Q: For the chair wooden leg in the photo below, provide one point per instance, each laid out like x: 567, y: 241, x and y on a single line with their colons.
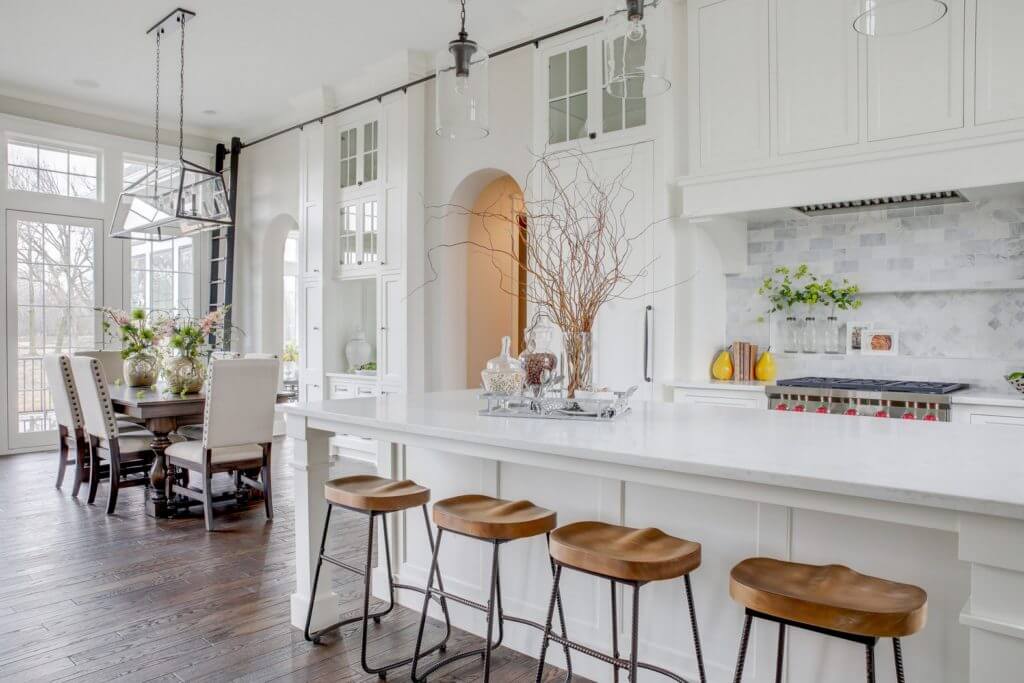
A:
x: 94, y: 474
x: 208, y: 500
x: 115, y: 478
x: 268, y: 501
x: 81, y: 465
x: 62, y: 452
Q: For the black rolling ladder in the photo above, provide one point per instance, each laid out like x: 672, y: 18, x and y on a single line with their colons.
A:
x: 222, y: 241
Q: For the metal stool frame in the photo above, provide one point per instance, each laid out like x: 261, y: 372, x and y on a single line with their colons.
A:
x: 868, y: 642
x: 632, y: 664
x: 493, y: 605
x: 314, y: 636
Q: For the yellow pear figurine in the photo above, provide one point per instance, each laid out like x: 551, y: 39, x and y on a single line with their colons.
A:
x: 765, y: 368
x: 722, y: 367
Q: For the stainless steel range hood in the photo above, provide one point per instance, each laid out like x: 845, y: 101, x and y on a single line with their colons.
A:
x: 876, y: 203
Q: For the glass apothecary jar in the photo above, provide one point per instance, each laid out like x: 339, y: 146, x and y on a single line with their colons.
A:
x: 538, y: 361
x: 504, y: 374
x: 810, y: 335
x: 832, y: 335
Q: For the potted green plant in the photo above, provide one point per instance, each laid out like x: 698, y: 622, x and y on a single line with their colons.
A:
x: 843, y: 298
x: 290, y: 359
x: 783, y: 292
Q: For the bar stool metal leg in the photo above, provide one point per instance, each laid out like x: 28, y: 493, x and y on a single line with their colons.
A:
x: 635, y: 645
x: 491, y: 600
x: 744, y: 639
x: 897, y: 649
x: 693, y: 627
x: 871, y: 662
x: 547, y: 621
x: 781, y: 653
x: 615, y: 631
x: 561, y: 618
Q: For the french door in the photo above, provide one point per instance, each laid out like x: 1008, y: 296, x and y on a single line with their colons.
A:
x: 52, y: 265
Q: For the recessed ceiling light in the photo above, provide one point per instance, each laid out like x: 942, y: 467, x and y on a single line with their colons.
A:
x: 209, y: 112
x: 86, y: 83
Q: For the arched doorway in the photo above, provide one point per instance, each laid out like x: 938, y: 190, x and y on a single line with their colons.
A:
x: 495, y: 280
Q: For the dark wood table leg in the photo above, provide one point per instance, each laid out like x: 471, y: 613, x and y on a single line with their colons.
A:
x: 159, y: 502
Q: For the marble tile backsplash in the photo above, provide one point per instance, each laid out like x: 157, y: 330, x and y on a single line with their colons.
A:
x: 960, y: 333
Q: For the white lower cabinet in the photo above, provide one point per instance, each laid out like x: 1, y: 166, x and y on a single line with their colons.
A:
x: 980, y: 414
x: 391, y: 342
x: 342, y: 386
x: 741, y: 396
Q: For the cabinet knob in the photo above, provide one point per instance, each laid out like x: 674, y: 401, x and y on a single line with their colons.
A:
x: 359, y: 263
x: 315, y: 328
x: 382, y: 328
x: 593, y: 136
x: 316, y: 270
x: 383, y: 263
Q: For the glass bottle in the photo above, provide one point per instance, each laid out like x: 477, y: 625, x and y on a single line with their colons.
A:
x: 538, y: 361
x: 791, y: 335
x: 503, y: 375
x: 833, y: 341
x: 810, y: 344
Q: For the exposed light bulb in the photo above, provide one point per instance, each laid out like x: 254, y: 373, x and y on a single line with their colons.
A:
x: 636, y: 29
x: 462, y: 84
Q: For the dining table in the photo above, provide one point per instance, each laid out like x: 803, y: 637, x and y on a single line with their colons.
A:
x: 161, y: 412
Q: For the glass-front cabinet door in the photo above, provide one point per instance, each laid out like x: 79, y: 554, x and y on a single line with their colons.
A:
x: 359, y: 237
x: 576, y: 104
x: 359, y: 150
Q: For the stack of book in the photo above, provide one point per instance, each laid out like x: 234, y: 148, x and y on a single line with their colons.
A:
x: 744, y: 360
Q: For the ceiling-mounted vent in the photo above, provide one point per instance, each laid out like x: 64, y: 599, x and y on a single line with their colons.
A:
x: 901, y: 201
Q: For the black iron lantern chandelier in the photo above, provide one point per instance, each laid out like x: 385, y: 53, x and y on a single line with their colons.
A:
x: 462, y: 111
x: 180, y: 199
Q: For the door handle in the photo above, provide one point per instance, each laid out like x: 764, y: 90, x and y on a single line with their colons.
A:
x: 647, y: 341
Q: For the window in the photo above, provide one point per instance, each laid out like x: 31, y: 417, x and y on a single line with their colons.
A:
x: 370, y: 152
x: 56, y: 295
x: 290, y: 291
x: 161, y: 274
x: 52, y: 170
x: 618, y: 113
x: 567, y: 95
x: 349, y: 156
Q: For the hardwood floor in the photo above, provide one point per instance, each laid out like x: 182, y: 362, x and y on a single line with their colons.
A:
x: 90, y: 597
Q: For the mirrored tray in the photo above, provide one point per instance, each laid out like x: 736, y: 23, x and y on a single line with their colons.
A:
x: 557, y: 407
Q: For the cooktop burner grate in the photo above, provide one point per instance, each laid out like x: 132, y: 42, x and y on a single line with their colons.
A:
x: 904, y: 386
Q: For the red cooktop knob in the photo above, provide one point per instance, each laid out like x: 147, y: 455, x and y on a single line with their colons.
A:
x: 908, y: 416
x: 822, y: 410
x: 799, y: 408
x: 851, y: 411
x: 881, y: 413
x: 782, y: 406
x: 930, y: 417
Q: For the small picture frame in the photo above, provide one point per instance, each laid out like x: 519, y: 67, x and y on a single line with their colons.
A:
x: 855, y: 333
x: 879, y: 342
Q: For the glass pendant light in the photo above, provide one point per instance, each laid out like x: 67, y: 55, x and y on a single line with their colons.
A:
x: 634, y: 67
x: 172, y: 200
x: 879, y: 18
x: 461, y: 89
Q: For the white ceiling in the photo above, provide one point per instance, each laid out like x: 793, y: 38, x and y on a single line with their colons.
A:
x: 250, y: 61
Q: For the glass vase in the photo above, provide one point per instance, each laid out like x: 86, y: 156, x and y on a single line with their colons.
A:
x: 810, y: 335
x: 141, y: 369
x: 503, y: 375
x: 538, y: 361
x: 579, y: 362
x: 833, y: 338
x: 791, y: 335
x: 184, y: 374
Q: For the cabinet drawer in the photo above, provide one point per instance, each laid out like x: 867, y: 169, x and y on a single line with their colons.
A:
x: 721, y: 398
x: 997, y: 419
x: 341, y: 390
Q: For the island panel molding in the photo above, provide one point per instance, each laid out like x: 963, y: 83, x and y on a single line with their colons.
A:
x: 822, y: 491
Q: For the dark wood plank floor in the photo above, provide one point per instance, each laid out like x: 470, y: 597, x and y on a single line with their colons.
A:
x: 87, y: 597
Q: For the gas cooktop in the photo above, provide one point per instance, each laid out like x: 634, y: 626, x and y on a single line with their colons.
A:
x: 873, y: 385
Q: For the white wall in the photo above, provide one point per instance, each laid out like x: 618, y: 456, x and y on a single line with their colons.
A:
x: 268, y: 204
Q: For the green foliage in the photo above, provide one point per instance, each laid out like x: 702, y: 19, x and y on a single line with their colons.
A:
x: 290, y: 353
x: 784, y: 290
x: 842, y: 297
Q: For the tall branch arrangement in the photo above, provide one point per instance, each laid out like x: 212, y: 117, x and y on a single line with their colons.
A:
x: 573, y: 241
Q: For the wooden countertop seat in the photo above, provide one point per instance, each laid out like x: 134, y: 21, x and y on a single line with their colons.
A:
x: 493, y: 519
x: 371, y: 493
x: 830, y: 599
x: 623, y: 553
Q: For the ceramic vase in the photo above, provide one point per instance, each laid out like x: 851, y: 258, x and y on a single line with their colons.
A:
x: 184, y: 375
x: 141, y: 370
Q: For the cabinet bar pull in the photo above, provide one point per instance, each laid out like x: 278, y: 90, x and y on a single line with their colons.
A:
x: 647, y: 341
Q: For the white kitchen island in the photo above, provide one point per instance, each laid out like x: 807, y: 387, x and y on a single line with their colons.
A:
x: 937, y: 505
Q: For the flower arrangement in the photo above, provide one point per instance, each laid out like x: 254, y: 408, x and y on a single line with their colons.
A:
x: 137, y: 334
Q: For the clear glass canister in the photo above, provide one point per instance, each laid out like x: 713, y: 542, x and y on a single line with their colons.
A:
x: 503, y: 374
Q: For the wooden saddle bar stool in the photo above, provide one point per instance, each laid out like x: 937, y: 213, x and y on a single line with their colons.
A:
x: 497, y: 522
x: 374, y: 497
x: 632, y: 557
x: 831, y: 600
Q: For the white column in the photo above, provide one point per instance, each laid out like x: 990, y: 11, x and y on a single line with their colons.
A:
x: 994, y: 546
x: 311, y: 462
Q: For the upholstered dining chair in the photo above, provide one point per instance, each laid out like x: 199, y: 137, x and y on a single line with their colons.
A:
x: 195, y: 432
x: 68, y: 415
x: 113, y: 371
x: 238, y: 424
x: 127, y: 456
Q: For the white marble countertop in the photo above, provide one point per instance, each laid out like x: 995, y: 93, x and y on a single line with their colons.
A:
x: 942, y: 465
x: 989, y: 397
x: 751, y: 386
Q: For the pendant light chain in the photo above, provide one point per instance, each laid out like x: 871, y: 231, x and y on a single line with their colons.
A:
x: 462, y: 16
x: 181, y: 96
x: 156, y: 115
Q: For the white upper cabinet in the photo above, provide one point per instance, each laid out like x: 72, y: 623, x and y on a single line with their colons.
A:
x: 575, y: 105
x: 915, y: 82
x: 359, y: 153
x: 816, y: 56
x: 359, y: 243
x: 999, y: 57
x: 730, y: 54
